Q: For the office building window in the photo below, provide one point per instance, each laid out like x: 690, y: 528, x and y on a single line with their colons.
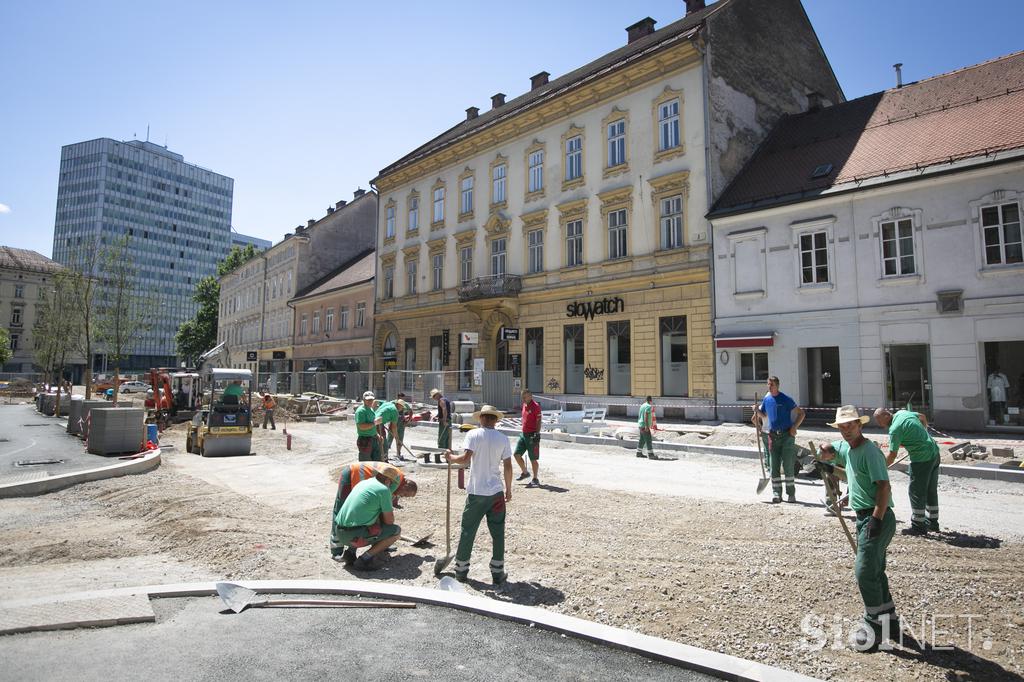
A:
x: 498, y: 184
x: 617, y: 234
x: 439, y: 205
x: 668, y: 125
x: 389, y: 231
x: 536, y: 183
x: 410, y: 271
x: 672, y: 222
x: 536, y: 249
x: 438, y: 271
x: 414, y: 214
x: 466, y: 264
x: 617, y: 143
x: 574, y: 157
x: 574, y: 243
x: 466, y: 205
x: 389, y: 283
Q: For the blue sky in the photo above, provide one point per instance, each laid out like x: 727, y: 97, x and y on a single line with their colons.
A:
x: 303, y: 104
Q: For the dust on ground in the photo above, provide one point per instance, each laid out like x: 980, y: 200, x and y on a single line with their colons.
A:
x: 677, y: 549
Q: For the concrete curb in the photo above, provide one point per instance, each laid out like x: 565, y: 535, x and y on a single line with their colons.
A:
x: 954, y: 470
x: 673, y: 653
x: 148, y: 462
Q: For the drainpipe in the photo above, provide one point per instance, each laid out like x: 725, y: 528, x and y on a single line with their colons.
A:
x: 705, y: 82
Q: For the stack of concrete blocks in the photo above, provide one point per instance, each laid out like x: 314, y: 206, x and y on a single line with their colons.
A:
x: 116, y: 430
x: 87, y: 407
x: 75, y: 415
x: 462, y: 411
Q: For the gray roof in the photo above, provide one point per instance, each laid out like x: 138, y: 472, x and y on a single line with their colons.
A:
x: 23, y: 259
x: 683, y: 29
x: 357, y: 271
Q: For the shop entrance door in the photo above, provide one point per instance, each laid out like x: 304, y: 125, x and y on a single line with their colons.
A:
x: 674, y: 373
x: 574, y: 358
x: 1004, y: 383
x: 908, y: 377
x: 535, y: 359
x: 823, y: 381
x: 465, y: 367
x: 620, y: 367
x: 501, y: 355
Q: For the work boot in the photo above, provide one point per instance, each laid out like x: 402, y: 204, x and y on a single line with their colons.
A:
x: 791, y: 498
x: 462, y: 576
x: 651, y: 455
x: 349, y: 556
x: 866, y: 640
x: 523, y: 476
x: 365, y: 563
x: 535, y: 483
x: 776, y: 499
x: 640, y: 454
x: 437, y: 458
x: 915, y: 531
x: 499, y: 579
x: 933, y: 526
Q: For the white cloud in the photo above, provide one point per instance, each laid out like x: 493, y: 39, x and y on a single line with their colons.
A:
x: 4, y: 208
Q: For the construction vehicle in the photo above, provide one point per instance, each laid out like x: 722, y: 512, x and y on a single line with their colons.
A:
x: 222, y: 422
x: 171, y: 398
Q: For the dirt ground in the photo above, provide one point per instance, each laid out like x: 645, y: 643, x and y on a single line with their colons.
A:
x: 676, y: 549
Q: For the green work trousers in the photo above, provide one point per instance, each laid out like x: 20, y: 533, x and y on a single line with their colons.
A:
x: 646, y: 438
x: 369, y: 449
x: 478, y: 506
x: 870, y: 570
x: 444, y: 436
x: 782, y: 458
x: 924, y: 494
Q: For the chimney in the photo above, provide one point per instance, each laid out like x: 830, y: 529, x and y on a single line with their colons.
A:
x: 359, y: 192
x: 539, y: 80
x: 644, y: 27
x: 694, y: 6
x: 814, y: 101
x: 472, y: 113
x: 899, y: 74
x: 287, y: 235
x: 310, y: 223
x: 339, y: 205
x: 330, y: 210
x: 497, y: 100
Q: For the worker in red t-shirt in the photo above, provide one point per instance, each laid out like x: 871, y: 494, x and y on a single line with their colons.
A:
x: 529, y: 441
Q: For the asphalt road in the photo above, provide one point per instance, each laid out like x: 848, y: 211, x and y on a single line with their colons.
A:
x: 27, y: 436
x: 195, y: 639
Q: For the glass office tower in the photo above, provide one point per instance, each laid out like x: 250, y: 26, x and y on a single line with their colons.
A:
x: 178, y: 218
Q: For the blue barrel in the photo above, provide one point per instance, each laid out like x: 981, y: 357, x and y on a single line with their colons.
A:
x: 151, y: 434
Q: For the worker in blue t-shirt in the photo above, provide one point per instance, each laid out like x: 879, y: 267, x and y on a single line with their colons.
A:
x: 784, y: 418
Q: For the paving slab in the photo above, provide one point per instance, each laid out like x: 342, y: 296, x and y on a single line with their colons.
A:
x: 76, y: 613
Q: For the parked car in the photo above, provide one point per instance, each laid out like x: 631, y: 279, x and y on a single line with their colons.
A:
x: 134, y: 387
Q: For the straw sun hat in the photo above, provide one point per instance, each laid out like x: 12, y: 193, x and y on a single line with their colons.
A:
x: 848, y: 413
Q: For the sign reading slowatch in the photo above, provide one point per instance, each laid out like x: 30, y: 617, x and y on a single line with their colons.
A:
x: 587, y: 310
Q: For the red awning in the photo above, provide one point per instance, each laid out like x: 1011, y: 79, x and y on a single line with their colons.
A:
x: 748, y: 341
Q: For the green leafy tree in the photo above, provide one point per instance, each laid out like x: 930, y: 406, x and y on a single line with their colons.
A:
x: 56, y: 328
x: 5, y: 347
x: 200, y: 333
x: 237, y: 256
x: 84, y: 273
x: 123, y: 314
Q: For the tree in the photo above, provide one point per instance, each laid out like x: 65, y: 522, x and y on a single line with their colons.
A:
x: 123, y: 314
x: 5, y: 347
x: 84, y: 265
x: 236, y: 257
x: 56, y: 328
x: 199, y: 334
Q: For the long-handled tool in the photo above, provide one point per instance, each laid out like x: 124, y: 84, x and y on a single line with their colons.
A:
x: 422, y: 542
x: 237, y: 598
x: 832, y: 493
x: 763, y: 483
x: 443, y: 562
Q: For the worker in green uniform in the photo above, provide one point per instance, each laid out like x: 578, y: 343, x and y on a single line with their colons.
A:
x: 386, y: 418
x: 367, y: 440
x: 404, y: 417
x: 909, y: 429
x: 444, y: 419
x: 645, y: 422
x: 871, y: 498
x: 367, y: 518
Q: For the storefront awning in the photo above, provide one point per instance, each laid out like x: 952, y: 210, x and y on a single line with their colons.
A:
x: 746, y: 341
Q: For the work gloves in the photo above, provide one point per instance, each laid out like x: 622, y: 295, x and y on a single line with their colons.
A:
x: 874, y: 527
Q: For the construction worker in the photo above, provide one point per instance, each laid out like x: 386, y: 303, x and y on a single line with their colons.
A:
x: 644, y: 421
x: 909, y: 429
x: 490, y: 457
x: 871, y: 498
x: 444, y: 419
x: 367, y: 441
x: 366, y: 517
x: 529, y: 439
x: 779, y: 409
x: 404, y: 417
x: 268, y: 410
x: 385, y: 417
x: 351, y: 476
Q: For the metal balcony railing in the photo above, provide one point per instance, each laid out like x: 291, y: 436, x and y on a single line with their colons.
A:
x: 495, y: 286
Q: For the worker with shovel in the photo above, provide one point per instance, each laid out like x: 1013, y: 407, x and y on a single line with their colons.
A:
x: 871, y: 499
x: 488, y: 451
x: 909, y: 429
x: 386, y: 418
x: 367, y: 441
x: 367, y: 518
x: 354, y: 474
x: 779, y: 409
x: 444, y: 419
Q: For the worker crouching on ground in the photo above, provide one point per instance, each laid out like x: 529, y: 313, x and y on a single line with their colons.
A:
x: 491, y: 457
x: 354, y: 474
x: 910, y: 429
x: 366, y: 517
x: 871, y: 499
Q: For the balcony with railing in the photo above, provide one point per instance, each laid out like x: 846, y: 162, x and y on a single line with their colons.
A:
x: 495, y: 286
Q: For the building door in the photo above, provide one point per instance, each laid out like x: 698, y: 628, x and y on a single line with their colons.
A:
x: 465, y: 367
x: 436, y: 360
x: 574, y: 358
x: 823, y: 381
x: 674, y: 373
x: 535, y: 359
x: 620, y: 367
x: 1003, y: 383
x: 501, y: 354
x: 409, y: 381
x: 908, y: 376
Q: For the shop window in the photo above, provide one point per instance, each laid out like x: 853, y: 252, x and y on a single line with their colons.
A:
x: 753, y: 366
x: 409, y: 378
x: 535, y: 359
x: 1004, y: 383
x: 436, y: 357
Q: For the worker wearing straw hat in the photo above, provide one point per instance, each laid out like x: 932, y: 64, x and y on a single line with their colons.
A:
x: 491, y: 457
x: 871, y: 498
x: 444, y: 419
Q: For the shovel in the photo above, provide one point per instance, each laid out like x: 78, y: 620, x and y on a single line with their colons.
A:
x: 763, y: 483
x: 443, y: 562
x: 237, y: 598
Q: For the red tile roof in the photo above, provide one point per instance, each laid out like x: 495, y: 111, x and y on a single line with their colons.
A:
x: 959, y: 115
